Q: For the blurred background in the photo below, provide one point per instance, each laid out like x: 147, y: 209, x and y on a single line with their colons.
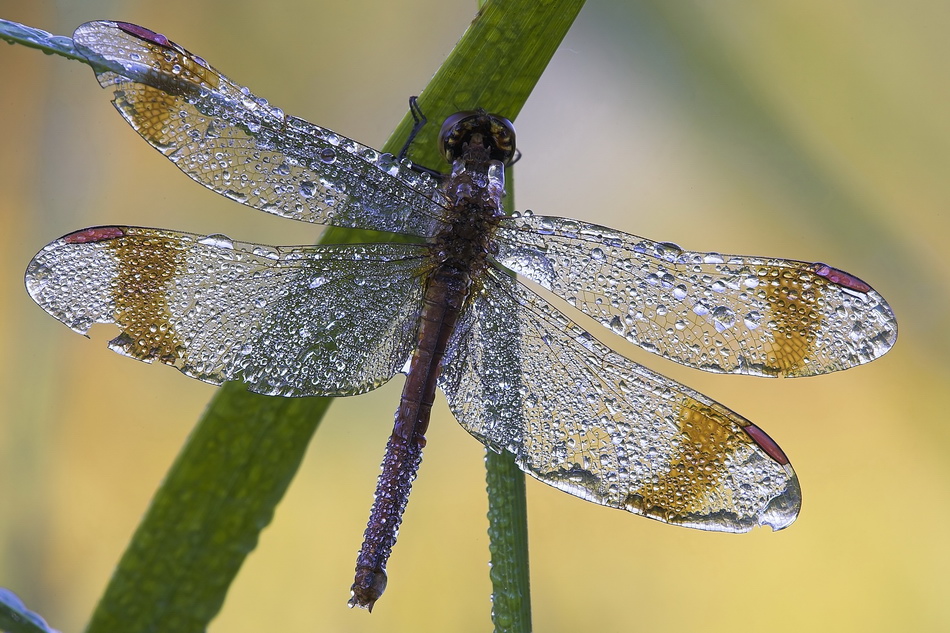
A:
x: 809, y: 130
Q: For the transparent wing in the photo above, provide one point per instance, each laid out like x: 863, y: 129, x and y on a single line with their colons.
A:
x: 234, y: 143
x: 521, y: 377
x: 720, y: 313
x: 290, y: 321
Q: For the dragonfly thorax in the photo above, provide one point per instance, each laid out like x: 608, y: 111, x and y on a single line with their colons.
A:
x: 473, y: 192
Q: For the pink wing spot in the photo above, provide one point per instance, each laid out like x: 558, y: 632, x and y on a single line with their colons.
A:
x: 96, y: 234
x: 143, y: 33
x: 840, y: 277
x: 766, y: 443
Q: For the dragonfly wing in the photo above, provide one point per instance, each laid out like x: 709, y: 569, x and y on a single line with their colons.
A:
x: 236, y: 144
x: 304, y: 321
x: 521, y: 377
x: 719, y: 313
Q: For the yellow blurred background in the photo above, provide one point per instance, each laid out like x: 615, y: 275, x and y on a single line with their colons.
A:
x: 809, y: 130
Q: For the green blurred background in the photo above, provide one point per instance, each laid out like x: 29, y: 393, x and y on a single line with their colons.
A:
x: 809, y: 130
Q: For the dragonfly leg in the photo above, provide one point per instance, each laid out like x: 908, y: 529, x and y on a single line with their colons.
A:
x: 420, y: 121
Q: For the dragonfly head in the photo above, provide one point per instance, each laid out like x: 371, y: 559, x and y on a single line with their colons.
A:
x: 463, y: 128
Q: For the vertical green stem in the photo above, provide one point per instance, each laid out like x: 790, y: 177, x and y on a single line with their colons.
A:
x: 508, y: 542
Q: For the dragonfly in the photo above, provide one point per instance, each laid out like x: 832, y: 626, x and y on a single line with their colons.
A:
x: 460, y: 307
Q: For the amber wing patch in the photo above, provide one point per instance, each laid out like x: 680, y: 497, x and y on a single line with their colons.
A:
x: 696, y: 479
x: 145, y: 274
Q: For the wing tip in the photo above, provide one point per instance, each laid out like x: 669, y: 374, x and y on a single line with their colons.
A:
x: 783, y: 509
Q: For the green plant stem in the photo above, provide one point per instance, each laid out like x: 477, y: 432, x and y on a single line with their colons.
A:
x: 508, y: 543
x: 207, y: 515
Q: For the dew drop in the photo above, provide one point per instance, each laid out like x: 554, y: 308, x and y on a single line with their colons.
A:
x: 616, y: 325
x: 723, y: 318
x: 752, y: 320
x: 857, y: 332
x: 388, y: 164
x: 218, y: 240
x: 269, y: 253
x: 669, y: 251
x: 308, y: 189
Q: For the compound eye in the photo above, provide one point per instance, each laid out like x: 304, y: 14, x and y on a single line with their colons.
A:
x: 451, y: 136
x: 495, y: 132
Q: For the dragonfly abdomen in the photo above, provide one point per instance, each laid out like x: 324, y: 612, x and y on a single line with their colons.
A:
x: 446, y: 293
